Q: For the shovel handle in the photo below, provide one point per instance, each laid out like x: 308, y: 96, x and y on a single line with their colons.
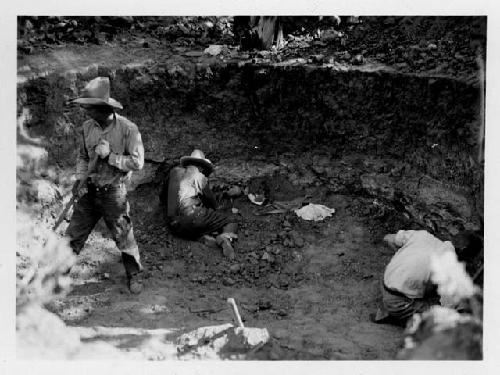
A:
x: 64, y: 212
x: 478, y: 272
x: 236, y: 313
x: 71, y: 202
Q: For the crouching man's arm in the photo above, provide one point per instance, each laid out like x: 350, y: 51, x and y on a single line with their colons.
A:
x: 390, y: 240
x: 208, y: 198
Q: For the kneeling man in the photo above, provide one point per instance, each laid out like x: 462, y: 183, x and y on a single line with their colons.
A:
x: 407, y: 287
x: 191, y: 207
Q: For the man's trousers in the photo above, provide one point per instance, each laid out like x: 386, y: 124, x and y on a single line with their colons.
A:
x: 110, y: 203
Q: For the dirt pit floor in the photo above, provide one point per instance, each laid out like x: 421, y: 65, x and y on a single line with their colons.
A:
x: 311, y: 284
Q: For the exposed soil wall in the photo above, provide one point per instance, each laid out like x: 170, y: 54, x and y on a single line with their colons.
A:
x: 411, y: 125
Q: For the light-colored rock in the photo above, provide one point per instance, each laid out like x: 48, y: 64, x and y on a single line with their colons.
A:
x: 316, y: 212
x: 45, y: 191
x: 31, y: 158
x: 214, y: 49
x: 141, y: 83
x: 221, y: 342
x: 241, y: 339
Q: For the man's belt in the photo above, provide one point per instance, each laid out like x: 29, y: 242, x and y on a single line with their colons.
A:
x: 394, y: 292
x: 97, y: 188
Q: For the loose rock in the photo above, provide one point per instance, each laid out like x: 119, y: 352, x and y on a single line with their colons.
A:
x: 228, y: 281
x: 358, y: 60
x: 214, y: 50
x: 234, y: 191
x: 235, y: 268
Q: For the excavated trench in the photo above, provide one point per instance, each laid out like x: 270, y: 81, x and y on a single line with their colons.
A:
x: 386, y: 150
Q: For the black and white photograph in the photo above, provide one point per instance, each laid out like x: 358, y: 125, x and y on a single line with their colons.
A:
x: 250, y: 187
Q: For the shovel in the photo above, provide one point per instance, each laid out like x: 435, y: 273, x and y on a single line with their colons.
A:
x: 74, y: 198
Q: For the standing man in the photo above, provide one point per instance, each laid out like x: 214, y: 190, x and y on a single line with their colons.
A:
x: 111, y: 148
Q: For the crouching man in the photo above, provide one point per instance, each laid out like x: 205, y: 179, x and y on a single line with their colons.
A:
x: 111, y: 148
x: 191, y: 207
x: 407, y: 287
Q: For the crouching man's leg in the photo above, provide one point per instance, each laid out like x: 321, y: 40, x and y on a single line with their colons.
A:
x: 397, y: 308
x: 225, y: 239
x: 117, y: 218
x: 208, y: 221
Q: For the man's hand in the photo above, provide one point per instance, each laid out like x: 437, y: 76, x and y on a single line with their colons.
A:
x: 79, y: 188
x: 102, y: 149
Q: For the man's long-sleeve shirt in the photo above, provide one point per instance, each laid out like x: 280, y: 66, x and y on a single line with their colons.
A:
x: 409, y: 270
x: 184, y: 189
x: 126, y: 151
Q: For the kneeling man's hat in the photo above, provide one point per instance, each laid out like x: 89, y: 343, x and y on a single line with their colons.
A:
x: 198, y: 159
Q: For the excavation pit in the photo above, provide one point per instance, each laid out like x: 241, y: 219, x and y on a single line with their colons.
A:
x: 387, y: 150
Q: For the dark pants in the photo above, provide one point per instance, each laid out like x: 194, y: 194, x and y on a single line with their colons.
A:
x: 401, y: 307
x: 200, y: 221
x: 111, y: 204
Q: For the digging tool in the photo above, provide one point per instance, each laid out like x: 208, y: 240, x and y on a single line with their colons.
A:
x: 236, y: 314
x: 478, y: 272
x: 74, y: 198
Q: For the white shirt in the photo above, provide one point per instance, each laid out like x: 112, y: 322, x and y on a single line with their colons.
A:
x: 409, y: 270
x: 191, y: 185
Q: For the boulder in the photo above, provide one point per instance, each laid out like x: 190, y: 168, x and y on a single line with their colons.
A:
x: 221, y: 342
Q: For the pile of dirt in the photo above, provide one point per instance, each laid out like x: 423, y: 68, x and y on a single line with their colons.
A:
x: 432, y: 45
x: 36, y: 33
x: 441, y: 45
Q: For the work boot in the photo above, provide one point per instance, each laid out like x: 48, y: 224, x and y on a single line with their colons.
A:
x: 209, y: 241
x: 135, y: 284
x: 380, y: 317
x: 224, y: 241
x: 383, y: 317
x: 227, y: 249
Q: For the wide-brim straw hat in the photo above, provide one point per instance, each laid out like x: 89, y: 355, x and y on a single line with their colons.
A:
x: 198, y: 159
x: 96, y: 92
